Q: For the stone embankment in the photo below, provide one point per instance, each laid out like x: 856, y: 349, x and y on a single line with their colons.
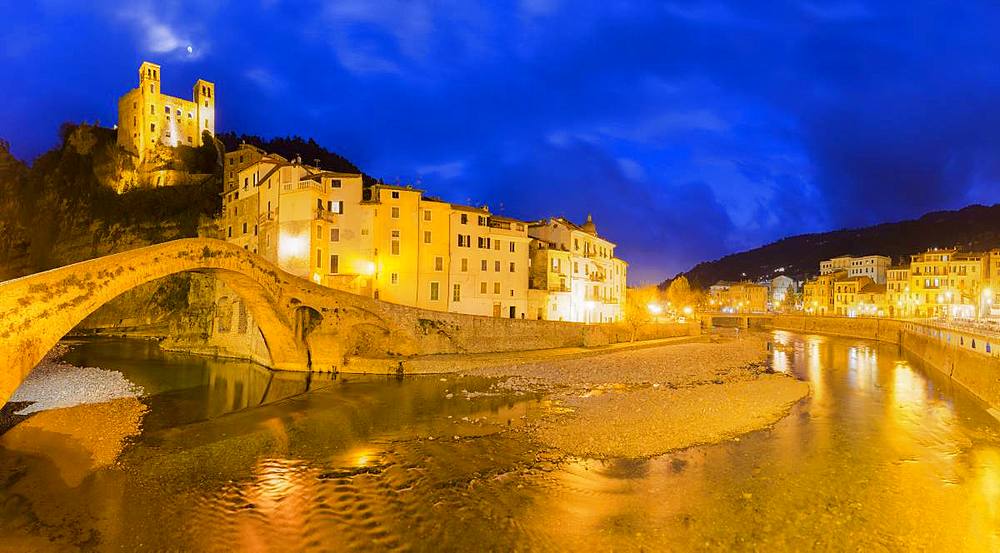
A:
x: 968, y: 356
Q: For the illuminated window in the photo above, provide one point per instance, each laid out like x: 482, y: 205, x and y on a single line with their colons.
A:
x: 394, y: 278
x: 337, y: 207
x: 456, y: 293
x: 394, y: 247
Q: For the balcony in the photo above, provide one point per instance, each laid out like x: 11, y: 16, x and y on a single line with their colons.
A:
x: 324, y: 215
x: 268, y: 217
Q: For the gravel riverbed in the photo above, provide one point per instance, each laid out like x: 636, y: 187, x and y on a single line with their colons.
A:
x: 647, y: 402
x: 54, y: 384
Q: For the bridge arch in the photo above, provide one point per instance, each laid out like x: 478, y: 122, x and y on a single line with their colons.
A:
x: 38, y: 310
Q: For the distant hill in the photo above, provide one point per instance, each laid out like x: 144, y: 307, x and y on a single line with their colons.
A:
x: 975, y: 227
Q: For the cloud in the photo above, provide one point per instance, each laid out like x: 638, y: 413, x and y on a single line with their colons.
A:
x: 160, y: 36
x: 447, y: 170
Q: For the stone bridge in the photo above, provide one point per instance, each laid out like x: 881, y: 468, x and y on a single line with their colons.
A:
x: 711, y: 320
x: 304, y: 326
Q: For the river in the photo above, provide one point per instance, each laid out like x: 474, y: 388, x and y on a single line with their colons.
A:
x: 224, y: 456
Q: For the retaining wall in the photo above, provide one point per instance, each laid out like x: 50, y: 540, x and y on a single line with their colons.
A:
x: 969, y: 357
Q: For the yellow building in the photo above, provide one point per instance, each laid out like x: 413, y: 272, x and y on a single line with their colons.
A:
x: 897, y: 289
x: 575, y: 275
x: 387, y: 242
x: 872, y: 300
x: 148, y: 118
x: 846, y: 295
x: 948, y: 283
x: 738, y: 297
x: 818, y: 294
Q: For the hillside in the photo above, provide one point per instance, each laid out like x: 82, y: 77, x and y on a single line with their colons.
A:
x: 975, y: 227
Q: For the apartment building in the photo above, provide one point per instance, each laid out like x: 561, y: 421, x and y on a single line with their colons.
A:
x: 871, y: 266
x: 575, y: 274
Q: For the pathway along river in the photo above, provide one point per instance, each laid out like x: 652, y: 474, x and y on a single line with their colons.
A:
x: 881, y: 456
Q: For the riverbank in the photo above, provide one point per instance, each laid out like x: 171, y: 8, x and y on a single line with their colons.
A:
x: 966, y: 356
x: 647, y: 402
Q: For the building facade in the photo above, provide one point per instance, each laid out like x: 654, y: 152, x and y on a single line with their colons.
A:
x: 846, y: 294
x: 818, y: 294
x: 871, y: 266
x: 897, y: 290
x: 575, y: 275
x: 397, y: 245
x: 148, y: 119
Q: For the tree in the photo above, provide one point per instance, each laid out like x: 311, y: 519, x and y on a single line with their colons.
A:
x: 679, y: 293
x: 638, y: 312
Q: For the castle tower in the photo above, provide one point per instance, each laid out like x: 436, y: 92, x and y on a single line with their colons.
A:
x: 204, y: 98
x: 148, y: 119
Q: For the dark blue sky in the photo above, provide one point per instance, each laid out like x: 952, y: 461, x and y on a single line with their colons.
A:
x: 689, y: 129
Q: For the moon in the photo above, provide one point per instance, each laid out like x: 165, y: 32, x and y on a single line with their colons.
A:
x: 190, y: 49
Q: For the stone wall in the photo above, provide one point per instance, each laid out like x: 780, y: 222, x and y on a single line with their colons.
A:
x: 969, y: 357
x: 882, y: 330
x: 219, y: 325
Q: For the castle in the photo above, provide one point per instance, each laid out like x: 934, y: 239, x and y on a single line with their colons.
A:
x: 148, y: 119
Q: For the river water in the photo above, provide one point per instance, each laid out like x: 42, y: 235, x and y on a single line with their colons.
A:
x: 221, y: 456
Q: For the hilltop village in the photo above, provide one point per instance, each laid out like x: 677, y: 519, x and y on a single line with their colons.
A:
x: 392, y: 243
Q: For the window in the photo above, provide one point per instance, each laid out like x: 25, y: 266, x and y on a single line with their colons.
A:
x: 427, y: 215
x: 511, y: 246
x: 427, y: 237
x: 335, y: 235
x: 464, y: 218
x: 394, y: 278
x: 336, y: 207
x: 456, y: 293
x: 335, y: 183
x: 319, y: 258
x: 464, y: 241
x: 496, y: 287
x: 496, y: 266
x: 512, y: 266
x: 334, y: 263
x: 152, y: 109
x: 482, y: 287
x: 483, y: 266
x: 255, y: 230
x: 555, y: 264
x: 439, y: 263
x: 166, y: 109
x: 496, y: 245
x: 434, y: 291
x: 395, y: 212
x: 319, y: 232
x: 465, y: 264
x: 244, y: 228
x: 230, y: 232
x: 394, y: 244
x: 395, y: 194
x: 482, y: 221
x: 152, y: 127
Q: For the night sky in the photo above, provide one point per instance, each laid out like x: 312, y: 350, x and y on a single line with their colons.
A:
x: 689, y: 129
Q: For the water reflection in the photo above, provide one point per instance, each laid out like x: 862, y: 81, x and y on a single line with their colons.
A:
x: 881, y: 456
